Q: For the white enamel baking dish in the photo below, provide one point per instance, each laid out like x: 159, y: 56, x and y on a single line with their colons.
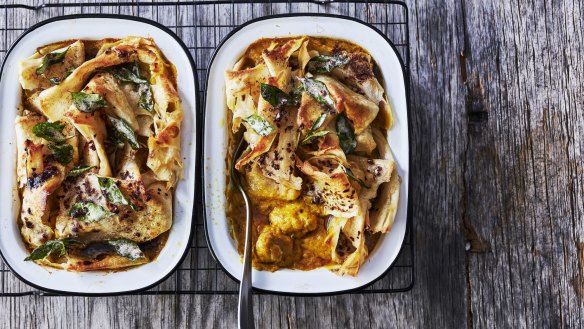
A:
x: 11, y: 246
x: 319, y: 281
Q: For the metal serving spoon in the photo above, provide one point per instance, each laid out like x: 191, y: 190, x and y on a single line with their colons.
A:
x: 245, y: 307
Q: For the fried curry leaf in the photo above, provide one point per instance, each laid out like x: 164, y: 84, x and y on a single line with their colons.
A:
x: 79, y: 170
x: 318, y: 123
x: 50, y: 59
x: 277, y: 97
x: 88, y: 212
x: 51, y: 131
x: 129, y: 72
x: 127, y: 248
x: 259, y: 124
x: 146, y: 99
x: 346, y: 134
x: 63, y: 153
x: 123, y: 132
x: 310, y: 136
x: 313, y: 133
x: 112, y: 192
x: 349, y: 173
x: 51, y: 247
x: 325, y: 64
x: 318, y: 91
x: 88, y: 103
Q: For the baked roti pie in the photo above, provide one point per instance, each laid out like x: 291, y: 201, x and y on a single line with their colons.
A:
x: 98, y: 140
x: 318, y: 168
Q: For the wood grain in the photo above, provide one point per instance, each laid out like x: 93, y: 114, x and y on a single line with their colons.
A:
x: 497, y: 132
x: 523, y: 163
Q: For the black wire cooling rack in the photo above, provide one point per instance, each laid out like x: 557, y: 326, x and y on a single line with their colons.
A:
x: 202, y: 25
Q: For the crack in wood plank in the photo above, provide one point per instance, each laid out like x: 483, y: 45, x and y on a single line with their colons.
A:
x: 578, y: 280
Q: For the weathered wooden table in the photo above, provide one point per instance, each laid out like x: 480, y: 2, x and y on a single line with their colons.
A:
x: 497, y: 134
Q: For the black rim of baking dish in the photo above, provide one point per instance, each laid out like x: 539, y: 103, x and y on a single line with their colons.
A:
x: 197, y: 146
x: 405, y: 74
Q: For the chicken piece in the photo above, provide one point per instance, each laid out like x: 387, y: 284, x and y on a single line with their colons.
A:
x: 293, y: 219
x: 272, y: 246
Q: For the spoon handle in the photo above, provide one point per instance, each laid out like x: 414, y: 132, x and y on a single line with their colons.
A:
x: 245, y: 309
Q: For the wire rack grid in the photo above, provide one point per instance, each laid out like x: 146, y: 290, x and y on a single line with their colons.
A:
x: 202, y: 25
